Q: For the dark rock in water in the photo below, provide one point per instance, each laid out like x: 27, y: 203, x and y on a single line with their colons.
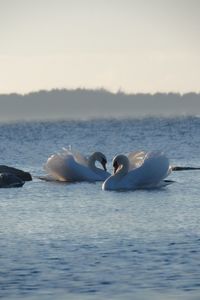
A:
x: 8, y: 180
x: 25, y: 176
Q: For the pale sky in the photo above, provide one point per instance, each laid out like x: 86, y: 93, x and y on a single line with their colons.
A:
x: 132, y: 45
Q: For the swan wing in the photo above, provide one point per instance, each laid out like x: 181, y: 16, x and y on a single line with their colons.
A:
x: 58, y: 166
x: 136, y: 159
x: 78, y: 157
x: 154, y: 169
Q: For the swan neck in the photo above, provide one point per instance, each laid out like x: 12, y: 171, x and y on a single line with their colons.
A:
x: 91, y: 162
x: 123, y: 169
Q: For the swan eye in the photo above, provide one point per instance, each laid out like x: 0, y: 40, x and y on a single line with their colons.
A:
x: 115, y: 166
x: 104, y: 162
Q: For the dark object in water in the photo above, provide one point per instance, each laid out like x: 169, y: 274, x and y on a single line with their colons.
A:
x: 184, y: 168
x: 25, y: 176
x: 8, y: 180
x: 169, y: 181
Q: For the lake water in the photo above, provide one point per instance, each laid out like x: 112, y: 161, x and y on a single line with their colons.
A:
x: 75, y: 241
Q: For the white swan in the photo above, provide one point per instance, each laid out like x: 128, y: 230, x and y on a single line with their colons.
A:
x: 71, y: 166
x: 139, y: 170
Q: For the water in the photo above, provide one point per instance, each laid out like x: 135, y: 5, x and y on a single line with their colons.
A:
x: 75, y: 241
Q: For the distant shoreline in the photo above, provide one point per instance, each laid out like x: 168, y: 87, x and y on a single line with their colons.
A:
x: 95, y: 90
x: 60, y: 104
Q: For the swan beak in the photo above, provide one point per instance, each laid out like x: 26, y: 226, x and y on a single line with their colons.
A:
x: 104, y: 162
x: 115, y: 166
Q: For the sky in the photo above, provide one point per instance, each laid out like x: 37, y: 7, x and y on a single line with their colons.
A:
x: 130, y: 45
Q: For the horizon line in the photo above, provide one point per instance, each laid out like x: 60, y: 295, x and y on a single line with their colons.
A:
x: 98, y: 89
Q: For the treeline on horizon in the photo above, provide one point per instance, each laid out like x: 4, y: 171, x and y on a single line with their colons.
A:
x: 86, y: 103
x: 101, y: 91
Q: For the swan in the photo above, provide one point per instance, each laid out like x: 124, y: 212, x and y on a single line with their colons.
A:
x: 72, y: 166
x: 138, y: 170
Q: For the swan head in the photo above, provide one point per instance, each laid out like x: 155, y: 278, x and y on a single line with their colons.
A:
x: 98, y: 156
x: 119, y: 162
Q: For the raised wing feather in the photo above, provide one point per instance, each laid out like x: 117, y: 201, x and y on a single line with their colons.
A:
x: 78, y: 157
x: 57, y: 165
x: 136, y: 159
x: 155, y: 168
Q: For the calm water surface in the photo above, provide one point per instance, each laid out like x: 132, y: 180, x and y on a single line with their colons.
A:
x: 75, y: 241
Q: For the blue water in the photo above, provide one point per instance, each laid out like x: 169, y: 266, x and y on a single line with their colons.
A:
x: 75, y: 241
